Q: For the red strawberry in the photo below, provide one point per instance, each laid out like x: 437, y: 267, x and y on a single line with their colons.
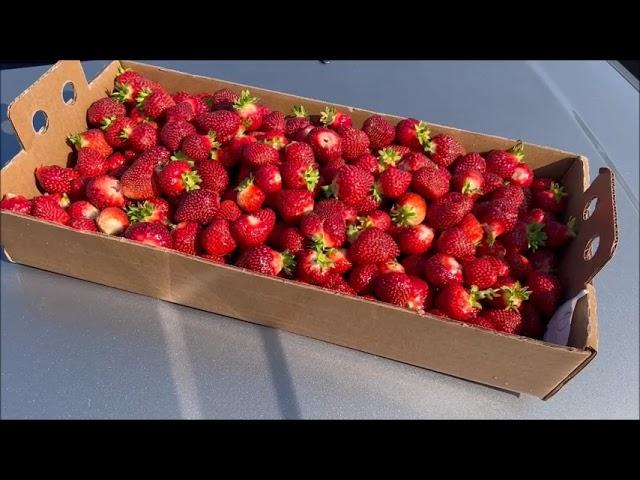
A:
x: 178, y: 177
x: 228, y: 210
x: 186, y: 236
x: 152, y: 210
x: 223, y: 123
x: 197, y: 103
x: 137, y: 116
x: 82, y: 209
x: 313, y: 267
x: 223, y: 99
x: 444, y: 149
x: 410, y: 209
x: 153, y: 234
x: 140, y: 181
x: 329, y: 170
x: 112, y: 221
x: 509, y: 295
x: 496, y: 249
x: 515, y: 196
x: 153, y: 103
x: 431, y: 182
x: 472, y: 228
x: 16, y: 203
x: 368, y: 163
x: 275, y: 139
x: 415, y: 240
x: 213, y: 258
x: 292, y: 205
x: 143, y: 137
x: 546, y: 292
x: 536, y: 215
x: 380, y: 132
x: 373, y: 246
x: 402, y: 290
x: 414, y: 265
x: 86, y: 224
x: 544, y: 260
x: 117, y: 163
x: 355, y: 143
x: 412, y: 133
x: 532, y: 323
x: 336, y: 283
x: 326, y: 144
x: 78, y: 188
x: 273, y: 121
x: 251, y: 230
x: 299, y: 174
x: 541, y: 183
x: 449, y: 210
x: 470, y: 161
x: 105, y: 191
x: 522, y: 176
x: 128, y: 85
x: 390, y: 266
x: 249, y: 111
x: 414, y: 161
x: 249, y: 197
x: 213, y: 175
x: 497, y: 217
x: 553, y: 200
x: 459, y: 303
x: 509, y: 321
x: 331, y: 118
x: 362, y: 278
x: 480, y: 272
x: 198, y: 206
x: 90, y: 163
x: 257, y: 154
x: 329, y: 207
x: 216, y: 238
x: 492, y: 182
x: 341, y: 262
x: 524, y: 236
x: 394, y: 182
x: 400, y: 149
x: 469, y: 182
x: 371, y: 202
x: 288, y: 238
x: 500, y: 265
x: 440, y: 269
x: 453, y: 241
x: 300, y: 152
x: 519, y: 265
x: 55, y: 179
x: 180, y: 112
x: 267, y: 261
x: 173, y: 134
x: 104, y: 111
x: 47, y: 207
x: 323, y: 233
x: 504, y: 162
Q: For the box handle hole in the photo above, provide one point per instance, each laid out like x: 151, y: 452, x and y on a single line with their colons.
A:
x: 69, y: 93
x: 40, y: 122
x: 591, y: 248
x: 589, y: 208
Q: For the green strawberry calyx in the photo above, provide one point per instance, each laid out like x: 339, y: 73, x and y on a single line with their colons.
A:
x: 423, y: 134
x: 140, y: 212
x: 142, y: 96
x: 470, y: 188
x: 288, y: 262
x: 180, y: 156
x: 376, y: 192
x: 536, y: 237
x: 106, y: 121
x: 323, y: 261
x: 328, y: 115
x: 403, y: 215
x: 311, y: 178
x: 122, y: 92
x: 77, y: 140
x: 388, y: 157
x: 215, y: 145
x: 475, y: 295
x: 514, y: 295
x: 558, y: 191
x: 191, y: 180
x: 245, y: 99
x: 247, y: 182
x: 518, y: 150
x: 299, y: 111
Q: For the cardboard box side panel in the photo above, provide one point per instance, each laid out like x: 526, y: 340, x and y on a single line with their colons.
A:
x: 508, y: 362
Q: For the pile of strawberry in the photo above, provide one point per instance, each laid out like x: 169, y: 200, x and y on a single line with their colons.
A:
x: 386, y: 212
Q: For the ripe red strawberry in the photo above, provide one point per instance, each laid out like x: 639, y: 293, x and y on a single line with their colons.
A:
x: 336, y: 283
x: 299, y: 174
x: 173, y: 134
x: 380, y: 132
x: 390, y: 266
x: 553, y: 200
x: 519, y: 265
x: 492, y: 182
x: 402, y: 290
x: 414, y: 161
x: 449, y: 210
x: 496, y: 249
x: 330, y: 117
x: 522, y: 176
x: 137, y: 116
x: 228, y: 210
x: 82, y: 209
x: 154, y: 103
x: 288, y: 238
x: 441, y: 269
x: 16, y: 203
x: 370, y: 202
x: 541, y: 183
x: 469, y: 182
x: 329, y: 207
x: 292, y: 205
x: 186, y: 237
x: 326, y: 144
x: 213, y: 258
x: 268, y: 178
x: 509, y: 295
x: 267, y: 261
x: 140, y: 181
x: 153, y: 234
x: 470, y: 161
x: 414, y: 265
x: 251, y: 230
x: 525, y: 236
x: 536, y: 215
x: 78, y: 188
x: 444, y: 149
x: 355, y: 143
x: 178, y: 177
x: 180, y: 112
x: 412, y: 133
x: 431, y: 182
x: 128, y: 85
x: 532, y: 323
x: 117, y: 163
x: 409, y: 209
x: 273, y: 121
x: 546, y: 292
x: 152, y: 210
x: 515, y: 196
x: 197, y: 103
x: 85, y: 224
x: 275, y: 139
x: 198, y: 206
x: 213, y: 175
x: 299, y: 152
x: 509, y: 321
x: 497, y: 217
x: 368, y: 163
x: 249, y: 197
x: 249, y: 111
x: 504, y: 162
x: 55, y: 179
x: 105, y: 191
x: 223, y: 99
x: 394, y: 182
x: 415, y: 240
x: 90, y: 163
x: 313, y: 267
x: 329, y: 170
x: 104, y: 111
x: 257, y: 154
x: 352, y: 184
x: 373, y: 246
x: 458, y: 303
x: 378, y: 219
x: 500, y: 265
x: 223, y: 123
x: 544, y: 260
x: 400, y: 149
x: 453, y: 241
x: 480, y: 272
x: 47, y: 207
x: 341, y: 262
x: 362, y: 278
x: 323, y: 233
x: 472, y: 228
x: 216, y: 238
x: 142, y: 137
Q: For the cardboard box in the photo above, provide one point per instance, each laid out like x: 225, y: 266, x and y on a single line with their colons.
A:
x: 508, y: 362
